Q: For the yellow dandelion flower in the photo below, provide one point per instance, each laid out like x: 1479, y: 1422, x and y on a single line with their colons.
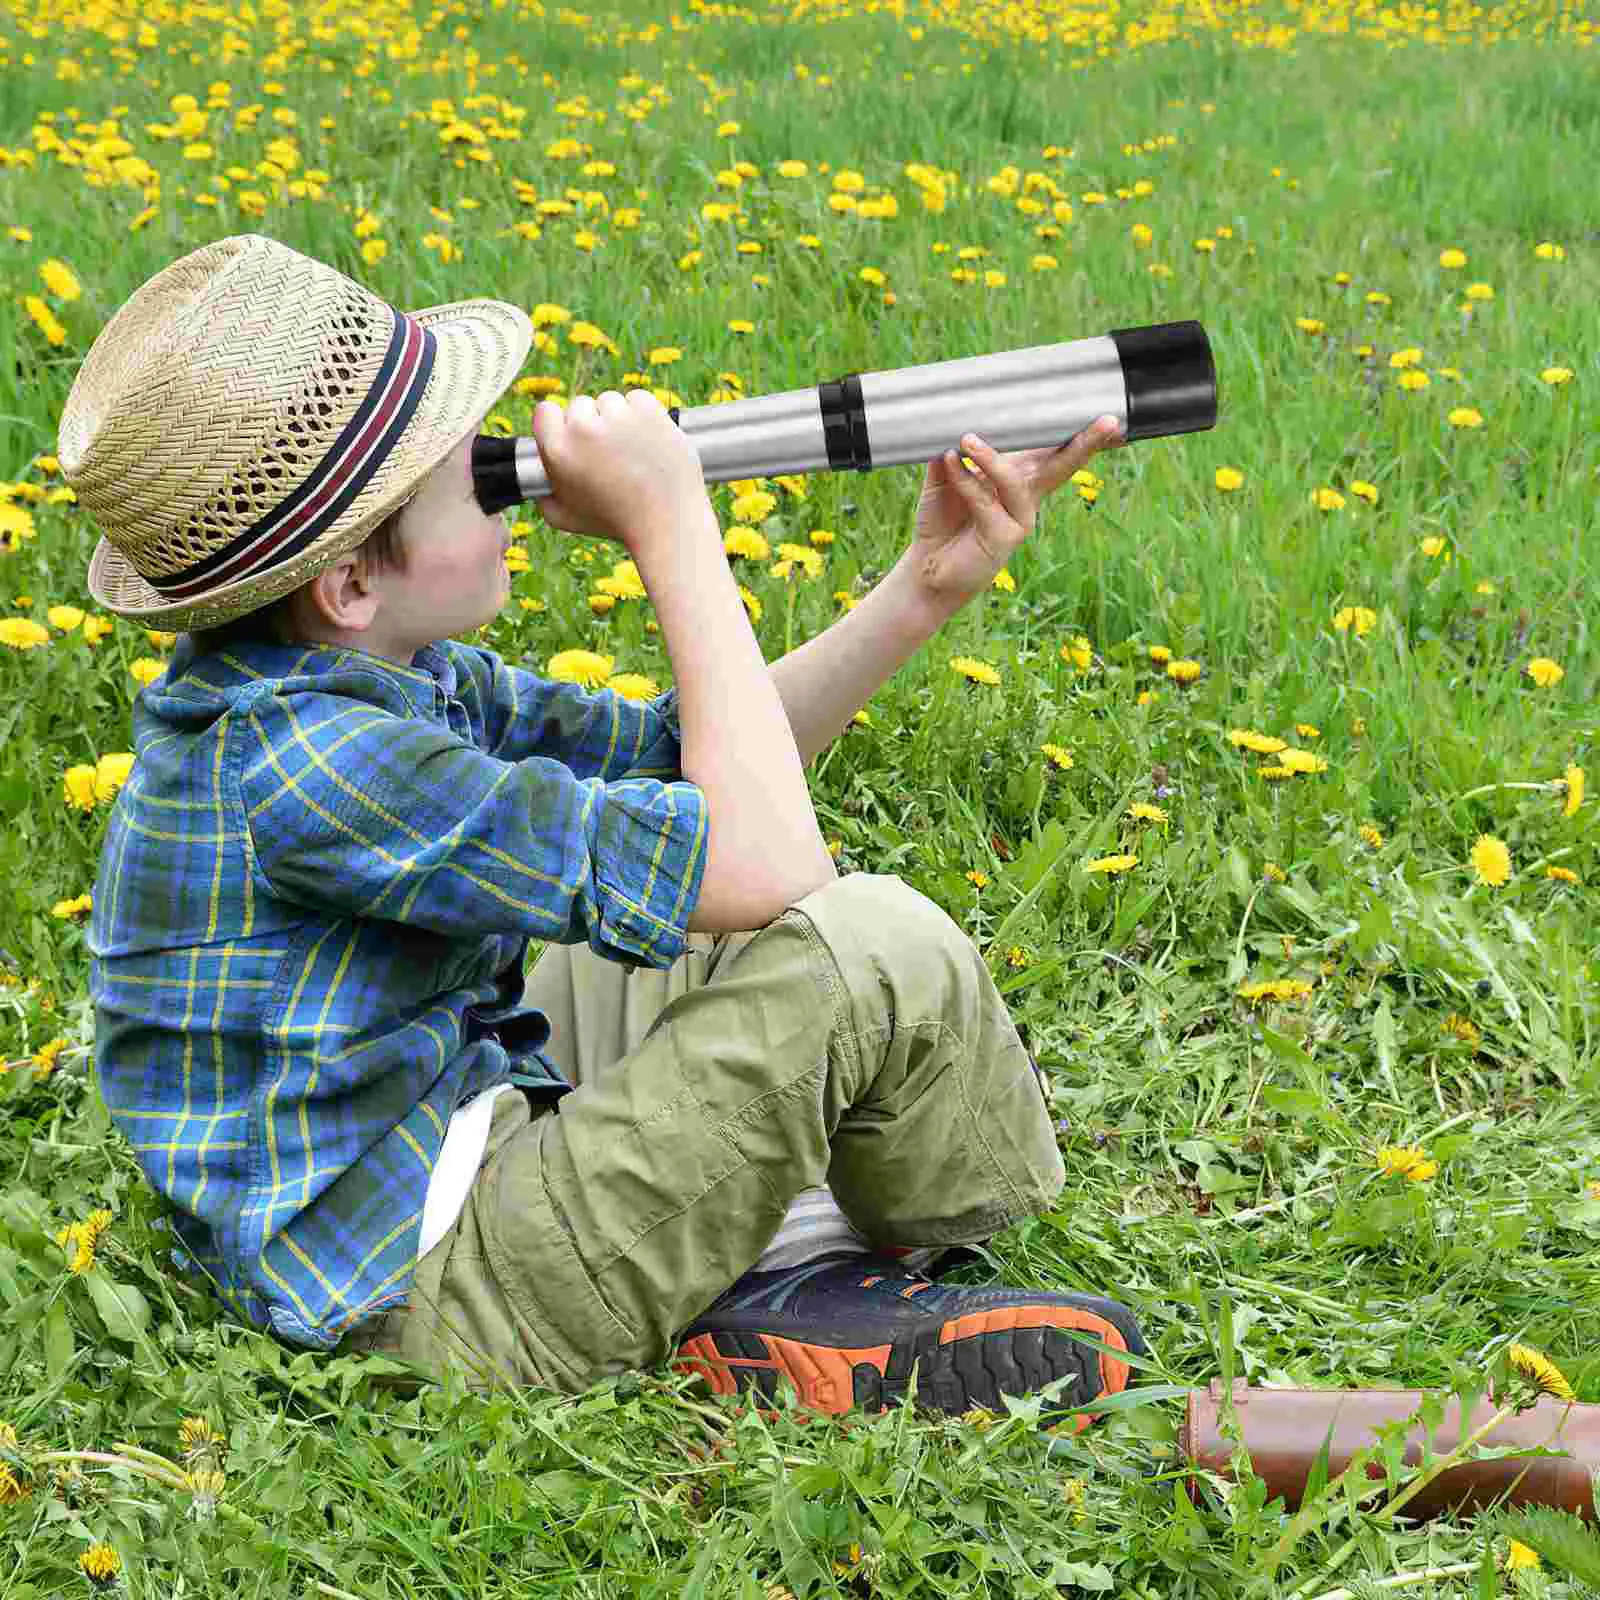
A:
x: 751, y: 605
x: 1555, y: 376
x: 1273, y: 873
x: 1228, y: 479
x: 1326, y: 499
x: 1491, y: 861
x: 1183, y: 671
x: 1004, y: 582
x: 1452, y: 258
x: 1078, y: 652
x: 1407, y: 1161
x: 1573, y: 783
x: 1369, y: 835
x: 1263, y: 744
x: 23, y: 633
x: 1545, y: 672
x: 1414, y: 379
x: 1519, y: 1558
x: 1308, y: 730
x: 1274, y: 773
x: 1465, y: 417
x: 78, y: 784
x: 100, y: 1564
x: 1462, y: 1028
x: 12, y: 1487
x: 66, y: 618
x: 1142, y: 811
x: 587, y: 668
x: 146, y: 669
x: 978, y: 878
x: 1480, y: 291
x: 111, y: 772
x: 754, y: 507
x: 1016, y: 956
x: 1111, y: 864
x: 1275, y: 988
x: 1302, y: 761
x: 1361, y: 618
x: 633, y: 685
x: 1433, y: 545
x: 1366, y: 491
x: 1562, y: 874
x: 1541, y: 1370
x: 1061, y: 756
x: 977, y: 671
x: 1160, y: 654
x: 600, y: 604
x: 72, y: 908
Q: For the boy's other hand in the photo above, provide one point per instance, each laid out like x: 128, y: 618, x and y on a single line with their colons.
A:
x: 969, y: 523
x: 619, y: 467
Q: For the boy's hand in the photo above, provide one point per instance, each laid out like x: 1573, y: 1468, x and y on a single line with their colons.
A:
x: 969, y: 523
x: 619, y: 467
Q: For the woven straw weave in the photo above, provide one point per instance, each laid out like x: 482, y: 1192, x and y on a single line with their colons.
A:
x: 216, y: 390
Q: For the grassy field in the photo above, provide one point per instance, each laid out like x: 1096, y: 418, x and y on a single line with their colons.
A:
x: 1382, y: 560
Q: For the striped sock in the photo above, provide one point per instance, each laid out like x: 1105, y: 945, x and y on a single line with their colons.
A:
x: 815, y: 1226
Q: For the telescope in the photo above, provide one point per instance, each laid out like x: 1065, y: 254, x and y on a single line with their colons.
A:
x: 1155, y: 380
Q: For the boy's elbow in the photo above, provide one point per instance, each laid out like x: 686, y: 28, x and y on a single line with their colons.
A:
x: 739, y: 899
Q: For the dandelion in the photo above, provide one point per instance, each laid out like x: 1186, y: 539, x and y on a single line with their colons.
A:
x: 1366, y: 491
x: 746, y: 542
x: 1056, y: 753
x: 1310, y: 324
x: 1262, y: 744
x: 96, y: 628
x: 1274, y: 773
x: 23, y: 633
x: 205, y: 1485
x: 1229, y: 478
x: 1111, y: 865
x: 1361, y: 618
x: 1573, y: 783
x: 1562, y: 874
x: 1540, y: 1370
x: 751, y: 604
x: 1461, y: 1028
x: 600, y: 604
x: 66, y: 618
x: 72, y: 908
x: 1183, y: 671
x: 1491, y: 861
x: 1556, y: 375
x: 1326, y: 499
x: 16, y: 524
x: 110, y: 773
x: 1308, y: 730
x: 1545, y: 672
x: 1160, y: 654
x: 978, y: 878
x: 1142, y: 811
x: 1408, y: 357
x: 1414, y: 380
x: 146, y: 669
x: 45, y: 318
x: 1480, y: 291
x: 976, y: 671
x: 1276, y: 988
x: 1079, y: 653
x: 78, y: 785
x: 1369, y: 835
x: 1406, y: 1161
x: 1452, y: 258
x: 754, y: 506
x: 587, y: 668
x: 1433, y: 545
x: 1016, y: 956
x: 12, y: 1487
x: 1003, y: 581
x: 1273, y: 873
x: 1465, y: 417
x: 1549, y: 250
x: 633, y: 685
x: 1520, y: 1558
x: 1302, y: 761
x: 100, y: 1564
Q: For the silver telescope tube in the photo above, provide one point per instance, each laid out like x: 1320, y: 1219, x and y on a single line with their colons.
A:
x: 1154, y: 380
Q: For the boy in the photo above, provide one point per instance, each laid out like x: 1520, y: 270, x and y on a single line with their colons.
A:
x: 342, y: 829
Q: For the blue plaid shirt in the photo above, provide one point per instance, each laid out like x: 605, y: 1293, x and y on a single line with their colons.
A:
x: 309, y: 928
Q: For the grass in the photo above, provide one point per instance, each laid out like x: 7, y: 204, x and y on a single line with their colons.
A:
x: 1221, y: 1149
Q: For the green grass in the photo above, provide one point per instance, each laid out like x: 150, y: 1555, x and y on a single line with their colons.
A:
x: 1220, y: 1152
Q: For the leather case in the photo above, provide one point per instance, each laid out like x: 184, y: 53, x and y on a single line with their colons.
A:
x: 1283, y: 1430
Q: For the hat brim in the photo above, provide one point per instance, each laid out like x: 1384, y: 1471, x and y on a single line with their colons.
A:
x: 480, y: 347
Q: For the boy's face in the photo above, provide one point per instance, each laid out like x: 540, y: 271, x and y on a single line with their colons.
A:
x: 455, y: 576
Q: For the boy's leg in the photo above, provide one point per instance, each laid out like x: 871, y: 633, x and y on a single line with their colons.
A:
x: 601, y: 1010
x: 857, y: 1041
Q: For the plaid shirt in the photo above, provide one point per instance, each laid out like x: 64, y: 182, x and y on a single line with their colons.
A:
x: 309, y: 928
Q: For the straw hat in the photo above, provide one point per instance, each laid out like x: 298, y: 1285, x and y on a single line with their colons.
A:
x: 251, y: 414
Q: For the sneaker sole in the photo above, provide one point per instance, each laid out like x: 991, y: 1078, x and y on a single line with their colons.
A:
x: 969, y: 1361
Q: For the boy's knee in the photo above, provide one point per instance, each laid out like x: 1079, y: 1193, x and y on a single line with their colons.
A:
x: 882, y: 917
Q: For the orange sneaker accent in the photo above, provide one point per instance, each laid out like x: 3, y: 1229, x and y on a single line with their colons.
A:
x: 915, y: 1288
x: 822, y: 1376
x: 867, y: 1283
x: 1113, y: 1376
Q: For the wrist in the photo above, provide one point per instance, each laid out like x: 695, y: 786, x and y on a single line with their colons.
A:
x: 925, y: 608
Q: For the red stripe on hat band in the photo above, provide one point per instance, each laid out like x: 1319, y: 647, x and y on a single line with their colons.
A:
x: 335, y: 469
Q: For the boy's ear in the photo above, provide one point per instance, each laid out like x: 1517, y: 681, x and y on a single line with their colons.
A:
x: 345, y: 595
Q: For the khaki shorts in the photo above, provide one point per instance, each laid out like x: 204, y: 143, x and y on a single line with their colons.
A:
x: 857, y: 1041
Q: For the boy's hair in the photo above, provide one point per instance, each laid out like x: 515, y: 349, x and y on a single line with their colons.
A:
x: 382, y: 550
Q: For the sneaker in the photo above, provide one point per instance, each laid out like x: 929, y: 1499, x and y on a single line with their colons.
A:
x: 846, y: 1331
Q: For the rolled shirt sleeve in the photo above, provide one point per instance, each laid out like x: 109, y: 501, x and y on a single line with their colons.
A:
x: 352, y: 807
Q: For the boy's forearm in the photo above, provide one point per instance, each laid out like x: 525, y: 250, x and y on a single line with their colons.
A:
x: 826, y: 680
x: 734, y: 734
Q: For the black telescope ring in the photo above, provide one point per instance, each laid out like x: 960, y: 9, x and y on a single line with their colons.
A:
x: 844, y: 424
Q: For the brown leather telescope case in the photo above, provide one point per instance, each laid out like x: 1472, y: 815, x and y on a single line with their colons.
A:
x: 1283, y: 1430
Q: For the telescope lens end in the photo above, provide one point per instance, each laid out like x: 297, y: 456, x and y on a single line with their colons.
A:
x: 1171, y: 379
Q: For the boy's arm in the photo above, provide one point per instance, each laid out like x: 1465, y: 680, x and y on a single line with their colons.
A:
x: 826, y: 680
x: 353, y: 811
